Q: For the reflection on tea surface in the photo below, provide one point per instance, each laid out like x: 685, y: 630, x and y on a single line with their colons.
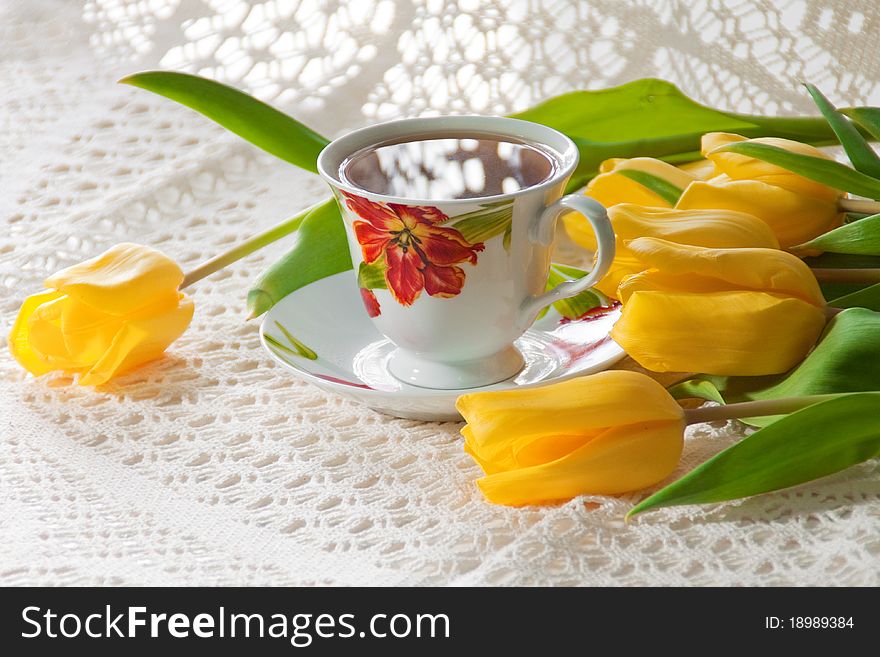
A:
x: 436, y: 169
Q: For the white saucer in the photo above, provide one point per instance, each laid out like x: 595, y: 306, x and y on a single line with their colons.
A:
x: 330, y: 341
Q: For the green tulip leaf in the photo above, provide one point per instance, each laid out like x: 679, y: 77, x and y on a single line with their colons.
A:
x: 867, y: 117
x: 646, y: 108
x: 827, y: 172
x: 858, y: 150
x: 813, y: 442
x: 662, y: 188
x: 860, y: 237
x: 696, y: 389
x: 578, y: 305
x: 844, y: 360
x: 835, y: 290
x: 651, y: 117
x: 570, y: 272
x: 319, y: 249
x: 868, y: 297
x: 253, y: 120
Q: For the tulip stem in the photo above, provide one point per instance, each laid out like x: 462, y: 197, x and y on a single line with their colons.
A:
x: 847, y: 275
x: 247, y: 247
x: 858, y: 205
x: 752, y: 408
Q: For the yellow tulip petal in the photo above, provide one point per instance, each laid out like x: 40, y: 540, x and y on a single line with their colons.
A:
x: 610, y: 164
x: 122, y: 280
x: 19, y: 336
x: 712, y: 140
x: 140, y: 341
x: 47, y: 339
x: 700, y: 227
x: 579, y: 230
x: 744, y: 167
x: 86, y: 331
x: 657, y: 168
x: 501, y: 423
x: 742, y: 333
x: 652, y: 280
x: 743, y: 268
x: 623, y: 266
x: 710, y: 228
x: 544, y: 449
x: 524, y: 450
x: 620, y: 460
x: 699, y: 169
x: 612, y: 188
x: 793, y: 218
x: 487, y: 466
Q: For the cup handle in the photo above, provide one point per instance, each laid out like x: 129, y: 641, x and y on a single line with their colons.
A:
x: 543, y: 231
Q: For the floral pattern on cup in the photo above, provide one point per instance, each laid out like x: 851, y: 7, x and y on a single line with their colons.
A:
x: 371, y: 303
x: 417, y: 252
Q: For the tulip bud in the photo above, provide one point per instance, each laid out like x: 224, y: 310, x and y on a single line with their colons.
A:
x: 743, y: 167
x: 711, y: 228
x: 624, y: 181
x: 796, y: 209
x: 103, y: 316
x: 739, y: 312
x: 604, y: 434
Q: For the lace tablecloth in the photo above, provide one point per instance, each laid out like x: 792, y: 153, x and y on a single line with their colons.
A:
x: 214, y: 466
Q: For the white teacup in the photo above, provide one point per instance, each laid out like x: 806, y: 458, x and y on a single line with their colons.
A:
x: 454, y: 321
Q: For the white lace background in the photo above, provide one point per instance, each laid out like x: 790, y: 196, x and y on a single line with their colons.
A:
x: 213, y: 466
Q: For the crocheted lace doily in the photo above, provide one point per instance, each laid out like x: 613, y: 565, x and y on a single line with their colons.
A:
x: 212, y: 465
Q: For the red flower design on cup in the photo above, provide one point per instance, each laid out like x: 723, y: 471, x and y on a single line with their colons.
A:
x: 419, y: 253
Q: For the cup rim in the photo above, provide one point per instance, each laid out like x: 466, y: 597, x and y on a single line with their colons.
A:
x: 333, y: 154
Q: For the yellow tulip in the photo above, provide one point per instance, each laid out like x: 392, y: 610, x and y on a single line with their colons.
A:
x: 711, y: 228
x: 795, y: 208
x: 744, y: 167
x: 614, y: 185
x: 793, y: 218
x: 604, y: 434
x: 742, y: 312
x: 103, y: 316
